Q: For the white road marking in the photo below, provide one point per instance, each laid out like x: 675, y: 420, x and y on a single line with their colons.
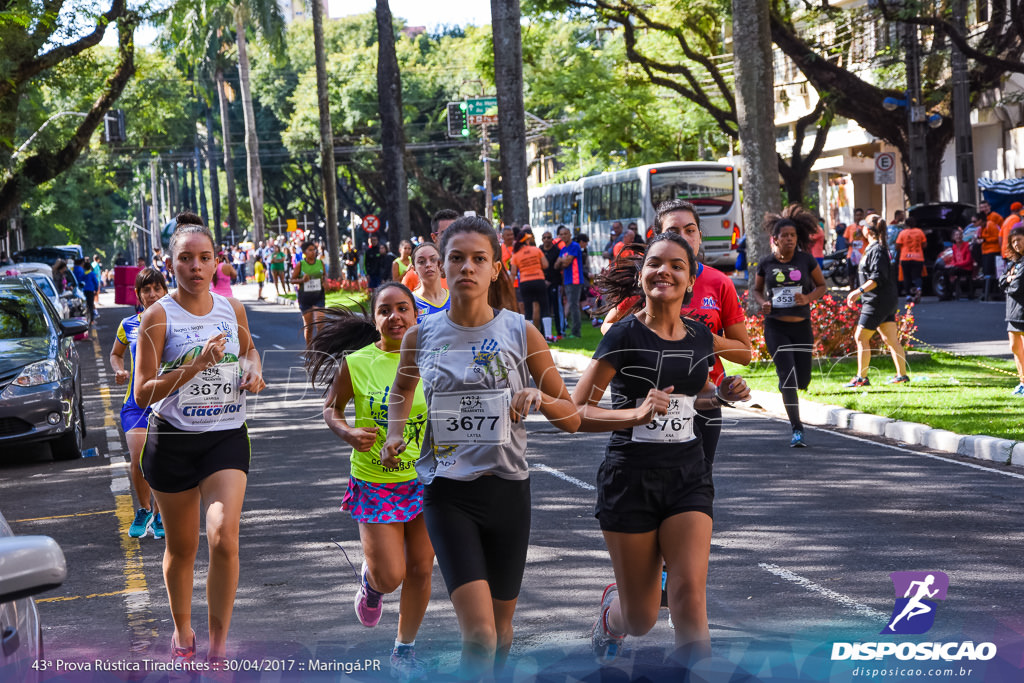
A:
x: 277, y: 346
x: 563, y: 476
x: 843, y: 600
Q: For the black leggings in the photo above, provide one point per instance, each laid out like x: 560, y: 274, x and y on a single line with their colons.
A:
x: 791, y: 345
x: 534, y: 291
x: 480, y: 530
x: 709, y: 424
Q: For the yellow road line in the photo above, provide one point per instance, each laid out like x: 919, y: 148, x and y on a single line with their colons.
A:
x: 77, y: 514
x: 86, y: 597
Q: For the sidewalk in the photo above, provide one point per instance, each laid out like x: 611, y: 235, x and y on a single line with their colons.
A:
x: 1002, y: 451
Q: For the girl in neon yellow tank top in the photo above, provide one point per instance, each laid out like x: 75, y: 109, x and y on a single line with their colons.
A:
x: 358, y: 355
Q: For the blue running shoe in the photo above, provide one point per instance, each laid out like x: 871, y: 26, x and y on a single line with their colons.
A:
x: 158, y: 527
x: 798, y: 439
x: 405, y: 666
x: 143, y: 519
x: 1019, y: 391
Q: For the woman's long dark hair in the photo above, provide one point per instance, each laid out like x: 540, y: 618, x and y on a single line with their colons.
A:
x: 342, y: 331
x: 877, y: 229
x: 802, y: 220
x: 501, y: 293
x: 622, y: 281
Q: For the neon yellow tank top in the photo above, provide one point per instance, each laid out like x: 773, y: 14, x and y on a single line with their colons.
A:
x: 402, y: 268
x: 373, y: 371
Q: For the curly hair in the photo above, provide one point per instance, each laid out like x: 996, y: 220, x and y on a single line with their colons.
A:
x: 802, y: 220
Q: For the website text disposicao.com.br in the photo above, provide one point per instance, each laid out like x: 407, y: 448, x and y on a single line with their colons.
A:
x: 901, y: 672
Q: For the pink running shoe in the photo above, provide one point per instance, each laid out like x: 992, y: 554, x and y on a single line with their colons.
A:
x: 368, y: 603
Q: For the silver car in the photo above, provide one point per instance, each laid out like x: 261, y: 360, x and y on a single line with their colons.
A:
x: 28, y: 565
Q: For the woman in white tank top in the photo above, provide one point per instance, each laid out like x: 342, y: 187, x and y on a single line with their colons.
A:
x: 476, y: 363
x: 195, y: 358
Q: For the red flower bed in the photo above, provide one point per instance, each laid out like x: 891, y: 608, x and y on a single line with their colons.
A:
x: 834, y: 324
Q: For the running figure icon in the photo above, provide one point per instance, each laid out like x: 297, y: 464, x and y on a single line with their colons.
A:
x: 919, y: 591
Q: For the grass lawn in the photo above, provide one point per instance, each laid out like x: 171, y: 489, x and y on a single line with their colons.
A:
x: 946, y: 392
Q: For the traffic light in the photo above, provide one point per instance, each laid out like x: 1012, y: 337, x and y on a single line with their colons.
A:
x: 458, y: 124
x: 113, y: 126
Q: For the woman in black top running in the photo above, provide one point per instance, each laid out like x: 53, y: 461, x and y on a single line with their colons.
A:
x: 655, y: 490
x: 786, y: 284
x: 879, y: 301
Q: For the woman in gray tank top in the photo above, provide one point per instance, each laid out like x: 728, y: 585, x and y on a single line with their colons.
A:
x: 476, y: 363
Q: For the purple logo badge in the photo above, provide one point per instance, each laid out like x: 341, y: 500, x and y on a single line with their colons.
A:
x: 916, y: 593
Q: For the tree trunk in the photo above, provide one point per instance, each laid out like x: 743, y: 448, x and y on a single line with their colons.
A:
x: 508, y: 79
x: 229, y: 167
x: 392, y: 134
x: 252, y: 143
x: 755, y: 105
x: 211, y: 162
x: 329, y: 177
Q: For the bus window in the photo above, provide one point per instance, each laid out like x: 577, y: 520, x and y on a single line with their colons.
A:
x: 615, y: 204
x: 710, y: 190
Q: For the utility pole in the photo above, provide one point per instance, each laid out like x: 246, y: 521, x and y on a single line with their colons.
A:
x: 154, y: 226
x: 918, y: 188
x: 965, y: 180
x: 327, y: 172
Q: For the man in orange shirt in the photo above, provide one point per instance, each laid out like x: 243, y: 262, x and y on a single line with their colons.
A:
x: 623, y: 248
x: 989, y: 238
x: 910, y: 244
x: 438, y: 224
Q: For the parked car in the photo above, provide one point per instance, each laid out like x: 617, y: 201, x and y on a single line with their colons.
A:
x: 28, y: 565
x: 938, y: 220
x: 72, y: 298
x: 40, y: 376
x: 47, y: 255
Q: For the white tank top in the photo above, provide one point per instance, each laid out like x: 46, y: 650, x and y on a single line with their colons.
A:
x: 210, y: 401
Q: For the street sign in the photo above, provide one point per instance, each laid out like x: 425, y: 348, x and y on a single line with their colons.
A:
x: 293, y: 225
x: 885, y: 168
x: 457, y: 124
x: 371, y: 224
x: 480, y: 106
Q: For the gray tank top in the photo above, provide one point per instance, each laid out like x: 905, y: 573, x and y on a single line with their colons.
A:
x: 469, y: 376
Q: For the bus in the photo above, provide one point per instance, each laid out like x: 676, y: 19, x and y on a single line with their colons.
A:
x: 590, y: 205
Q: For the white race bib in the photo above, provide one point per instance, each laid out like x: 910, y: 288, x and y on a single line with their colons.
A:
x: 216, y: 386
x: 785, y: 297
x: 311, y: 286
x: 675, y: 426
x: 473, y: 417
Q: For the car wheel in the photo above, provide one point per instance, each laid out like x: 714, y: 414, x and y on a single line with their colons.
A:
x: 69, y: 446
x: 940, y: 285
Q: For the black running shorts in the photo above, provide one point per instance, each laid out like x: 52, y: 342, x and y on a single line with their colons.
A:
x: 635, y: 500
x: 480, y: 529
x: 174, y: 460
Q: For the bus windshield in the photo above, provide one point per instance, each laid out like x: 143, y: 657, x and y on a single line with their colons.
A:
x: 710, y: 190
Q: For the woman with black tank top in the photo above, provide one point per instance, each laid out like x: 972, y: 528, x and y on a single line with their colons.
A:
x: 879, y: 301
x: 655, y: 490
x: 476, y: 361
x: 786, y: 284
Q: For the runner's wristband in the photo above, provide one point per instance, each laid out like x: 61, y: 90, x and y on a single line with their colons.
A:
x: 721, y: 401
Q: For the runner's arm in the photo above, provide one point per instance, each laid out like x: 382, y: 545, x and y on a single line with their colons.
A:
x: 613, y: 316
x: 555, y: 403
x: 117, y: 362
x: 591, y: 388
x: 338, y: 396
x: 401, y: 396
x: 733, y: 345
x: 249, y: 361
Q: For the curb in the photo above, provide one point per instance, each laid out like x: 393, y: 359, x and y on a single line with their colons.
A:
x: 987, y: 448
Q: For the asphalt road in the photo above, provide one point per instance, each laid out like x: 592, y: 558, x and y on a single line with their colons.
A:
x: 803, y: 546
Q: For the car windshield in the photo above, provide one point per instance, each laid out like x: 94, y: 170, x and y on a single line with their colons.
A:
x: 709, y: 189
x: 44, y: 284
x: 21, y: 315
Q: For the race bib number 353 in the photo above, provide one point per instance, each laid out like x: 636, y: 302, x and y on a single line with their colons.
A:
x: 479, y: 417
x: 213, y: 386
x: 784, y: 297
x: 675, y: 426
